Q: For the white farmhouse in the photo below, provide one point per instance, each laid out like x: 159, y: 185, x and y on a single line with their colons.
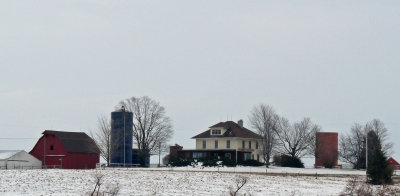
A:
x: 224, y: 139
x: 18, y: 159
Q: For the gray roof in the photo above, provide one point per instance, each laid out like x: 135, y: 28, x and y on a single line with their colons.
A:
x: 78, y: 142
x: 6, y: 154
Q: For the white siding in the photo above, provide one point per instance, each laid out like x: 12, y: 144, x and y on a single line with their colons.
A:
x: 236, y: 144
x: 21, y: 160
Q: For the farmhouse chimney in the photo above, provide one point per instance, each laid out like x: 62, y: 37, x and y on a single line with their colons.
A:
x: 240, y: 123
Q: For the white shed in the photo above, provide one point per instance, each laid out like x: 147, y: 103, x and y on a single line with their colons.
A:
x: 18, y: 159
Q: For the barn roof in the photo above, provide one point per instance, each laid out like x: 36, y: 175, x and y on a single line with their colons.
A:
x: 392, y: 161
x: 6, y: 154
x: 78, y: 142
x: 233, y: 130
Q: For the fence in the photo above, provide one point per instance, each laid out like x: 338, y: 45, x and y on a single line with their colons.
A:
x: 119, y: 165
x: 52, y: 166
x: 20, y: 167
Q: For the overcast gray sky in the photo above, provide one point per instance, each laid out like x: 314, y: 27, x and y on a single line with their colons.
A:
x: 64, y: 63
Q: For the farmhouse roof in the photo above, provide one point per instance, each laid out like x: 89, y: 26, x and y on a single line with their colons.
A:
x: 233, y: 130
x: 78, y: 142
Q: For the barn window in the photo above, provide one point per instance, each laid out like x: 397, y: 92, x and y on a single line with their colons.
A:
x: 51, y: 147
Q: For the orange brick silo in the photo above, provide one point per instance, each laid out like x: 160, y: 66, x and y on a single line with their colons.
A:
x: 326, y: 149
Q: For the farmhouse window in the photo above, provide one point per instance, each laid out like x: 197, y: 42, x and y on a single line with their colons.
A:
x: 216, y: 132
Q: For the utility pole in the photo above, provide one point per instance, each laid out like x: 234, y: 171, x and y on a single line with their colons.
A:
x: 366, y: 153
x: 123, y: 110
x: 159, y: 153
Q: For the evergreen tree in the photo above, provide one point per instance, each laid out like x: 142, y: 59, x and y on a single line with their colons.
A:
x: 379, y: 170
x: 373, y: 143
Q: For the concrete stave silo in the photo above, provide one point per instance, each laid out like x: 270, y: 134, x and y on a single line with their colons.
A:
x: 121, y: 138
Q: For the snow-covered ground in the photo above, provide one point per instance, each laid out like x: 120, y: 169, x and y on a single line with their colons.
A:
x: 270, y: 170
x: 176, y: 181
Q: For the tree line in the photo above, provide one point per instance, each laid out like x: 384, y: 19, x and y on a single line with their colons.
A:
x: 152, y: 130
x: 299, y: 138
x: 280, y: 136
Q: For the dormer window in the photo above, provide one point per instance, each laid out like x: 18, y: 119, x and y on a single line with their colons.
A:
x: 216, y: 132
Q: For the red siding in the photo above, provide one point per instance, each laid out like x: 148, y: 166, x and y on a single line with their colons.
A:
x: 327, y: 148
x: 393, y: 162
x: 81, y: 161
x: 68, y: 160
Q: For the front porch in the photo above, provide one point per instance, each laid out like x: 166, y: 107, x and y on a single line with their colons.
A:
x: 234, y: 155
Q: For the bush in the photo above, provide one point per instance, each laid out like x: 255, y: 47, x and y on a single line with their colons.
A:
x: 207, y: 162
x: 379, y: 171
x: 179, y: 162
x: 251, y: 162
x: 356, y: 187
x: 277, y: 160
x: 228, y: 162
x: 213, y: 162
x: 289, y: 161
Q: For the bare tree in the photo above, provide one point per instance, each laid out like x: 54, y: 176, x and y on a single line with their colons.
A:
x: 240, y: 181
x: 382, y: 132
x: 150, y: 124
x: 109, y: 190
x: 161, y: 148
x: 296, y: 140
x: 264, y: 119
x: 98, y: 182
x: 102, y: 137
x: 352, y: 145
x: 314, y: 143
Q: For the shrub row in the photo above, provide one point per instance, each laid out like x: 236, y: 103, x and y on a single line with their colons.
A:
x: 212, y: 162
x: 288, y: 161
x: 207, y: 162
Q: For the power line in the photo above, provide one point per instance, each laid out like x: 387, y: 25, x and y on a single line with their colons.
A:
x: 17, y: 138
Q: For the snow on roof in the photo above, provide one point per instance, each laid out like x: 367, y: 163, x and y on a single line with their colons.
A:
x: 6, y: 154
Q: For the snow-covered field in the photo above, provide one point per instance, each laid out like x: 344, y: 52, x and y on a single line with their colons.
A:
x: 271, y: 170
x: 165, y: 181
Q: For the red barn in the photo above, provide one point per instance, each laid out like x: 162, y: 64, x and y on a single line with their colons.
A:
x: 393, y: 163
x: 67, y: 150
x: 326, y: 149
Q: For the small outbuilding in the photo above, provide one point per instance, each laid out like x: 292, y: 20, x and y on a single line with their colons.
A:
x: 392, y: 162
x: 18, y: 159
x: 66, y: 150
